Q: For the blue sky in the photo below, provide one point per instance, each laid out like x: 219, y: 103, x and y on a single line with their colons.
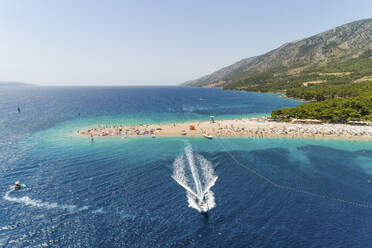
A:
x: 118, y: 42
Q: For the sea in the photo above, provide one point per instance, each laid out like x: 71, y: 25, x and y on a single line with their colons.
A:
x: 140, y: 191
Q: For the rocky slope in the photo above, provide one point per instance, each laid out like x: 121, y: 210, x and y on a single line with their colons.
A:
x: 341, y: 43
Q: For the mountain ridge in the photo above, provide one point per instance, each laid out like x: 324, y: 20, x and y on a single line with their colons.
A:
x: 340, y: 43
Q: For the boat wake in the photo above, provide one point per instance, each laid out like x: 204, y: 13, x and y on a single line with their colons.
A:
x: 195, y: 174
x: 25, y: 200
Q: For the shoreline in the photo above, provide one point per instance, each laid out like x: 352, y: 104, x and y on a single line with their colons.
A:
x: 245, y: 127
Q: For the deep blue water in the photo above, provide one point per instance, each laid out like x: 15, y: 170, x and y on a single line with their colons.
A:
x: 120, y: 192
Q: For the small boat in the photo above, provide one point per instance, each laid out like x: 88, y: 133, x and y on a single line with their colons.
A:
x: 183, y: 132
x: 207, y: 136
x: 153, y: 136
x: 202, y: 99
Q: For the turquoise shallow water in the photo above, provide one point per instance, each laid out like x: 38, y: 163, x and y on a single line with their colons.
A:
x: 120, y: 192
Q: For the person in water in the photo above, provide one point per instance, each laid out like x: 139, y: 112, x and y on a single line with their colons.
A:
x: 19, y: 110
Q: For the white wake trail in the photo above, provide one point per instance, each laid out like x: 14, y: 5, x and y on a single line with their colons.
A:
x: 195, y: 174
x: 25, y: 200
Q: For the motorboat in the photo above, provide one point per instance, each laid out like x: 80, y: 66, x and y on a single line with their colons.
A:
x: 203, y: 205
x: 207, y: 136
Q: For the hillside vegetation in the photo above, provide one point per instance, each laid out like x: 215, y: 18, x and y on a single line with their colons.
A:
x: 342, y: 91
x: 302, y: 83
x: 339, y: 110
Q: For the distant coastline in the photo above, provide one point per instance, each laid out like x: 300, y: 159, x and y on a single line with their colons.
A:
x: 16, y: 84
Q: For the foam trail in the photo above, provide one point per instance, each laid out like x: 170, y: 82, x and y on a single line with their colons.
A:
x: 195, y: 174
x: 40, y: 204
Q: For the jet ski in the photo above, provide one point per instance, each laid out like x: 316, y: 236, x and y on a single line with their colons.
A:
x: 18, y: 186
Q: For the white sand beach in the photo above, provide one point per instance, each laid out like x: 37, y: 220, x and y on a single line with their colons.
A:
x: 253, y: 127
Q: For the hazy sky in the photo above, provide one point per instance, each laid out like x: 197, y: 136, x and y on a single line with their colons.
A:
x: 109, y: 42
